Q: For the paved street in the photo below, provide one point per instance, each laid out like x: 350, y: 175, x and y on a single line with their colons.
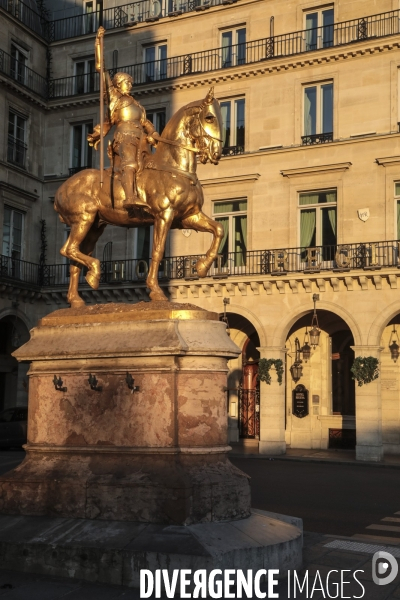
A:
x: 330, y: 498
x: 340, y: 500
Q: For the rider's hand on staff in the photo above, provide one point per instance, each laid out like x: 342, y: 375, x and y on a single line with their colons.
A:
x: 151, y: 140
x: 100, y: 33
x: 94, y: 140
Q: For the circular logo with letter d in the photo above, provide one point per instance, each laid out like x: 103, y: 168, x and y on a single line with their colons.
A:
x: 384, y: 568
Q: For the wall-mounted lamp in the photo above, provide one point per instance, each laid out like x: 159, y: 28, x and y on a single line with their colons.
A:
x: 393, y: 345
x: 315, y: 330
x: 93, y: 383
x: 58, y: 384
x: 296, y: 369
x: 224, y: 318
x: 306, y: 348
x: 130, y: 382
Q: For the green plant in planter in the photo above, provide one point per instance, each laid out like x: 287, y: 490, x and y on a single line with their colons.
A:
x: 264, y: 367
x: 365, y: 369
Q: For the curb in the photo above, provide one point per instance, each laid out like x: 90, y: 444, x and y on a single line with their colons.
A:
x: 333, y: 461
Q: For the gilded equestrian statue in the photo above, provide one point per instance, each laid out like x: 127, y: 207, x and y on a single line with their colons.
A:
x: 167, y: 193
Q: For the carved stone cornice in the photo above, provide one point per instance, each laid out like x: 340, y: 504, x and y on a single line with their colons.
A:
x: 389, y: 161
x: 231, y: 179
x: 315, y: 170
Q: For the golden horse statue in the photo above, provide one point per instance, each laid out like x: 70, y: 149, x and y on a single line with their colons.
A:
x: 169, y: 186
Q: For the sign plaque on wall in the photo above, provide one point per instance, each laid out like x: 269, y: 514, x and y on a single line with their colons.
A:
x: 300, y: 401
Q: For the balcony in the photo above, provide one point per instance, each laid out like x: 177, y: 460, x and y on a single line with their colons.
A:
x: 24, y: 13
x: 16, y: 152
x: 268, y: 264
x: 316, y: 138
x: 232, y: 150
x: 281, y: 46
x: 22, y: 75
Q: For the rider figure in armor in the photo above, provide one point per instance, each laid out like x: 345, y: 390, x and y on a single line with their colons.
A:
x: 131, y: 124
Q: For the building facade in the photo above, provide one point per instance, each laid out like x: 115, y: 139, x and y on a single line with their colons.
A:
x: 307, y: 192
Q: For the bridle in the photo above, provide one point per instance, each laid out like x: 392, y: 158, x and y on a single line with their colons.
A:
x: 204, y: 134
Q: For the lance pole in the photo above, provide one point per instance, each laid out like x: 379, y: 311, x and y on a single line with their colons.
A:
x: 101, y: 111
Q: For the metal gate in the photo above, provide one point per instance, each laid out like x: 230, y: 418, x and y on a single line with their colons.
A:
x: 249, y: 412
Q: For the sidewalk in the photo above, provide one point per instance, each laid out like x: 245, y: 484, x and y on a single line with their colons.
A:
x: 249, y: 449
x: 321, y: 553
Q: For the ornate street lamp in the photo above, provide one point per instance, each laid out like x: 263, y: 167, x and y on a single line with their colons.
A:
x: 315, y: 330
x: 306, y: 349
x: 394, y: 347
x: 224, y: 317
x: 296, y: 369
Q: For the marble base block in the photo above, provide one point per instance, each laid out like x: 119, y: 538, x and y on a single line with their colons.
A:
x: 156, y: 454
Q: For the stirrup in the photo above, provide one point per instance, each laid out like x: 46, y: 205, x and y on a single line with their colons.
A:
x: 135, y: 202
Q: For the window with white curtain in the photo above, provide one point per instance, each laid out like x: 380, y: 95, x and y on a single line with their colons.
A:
x: 155, y: 58
x: 318, y: 113
x: 232, y: 214
x: 319, y: 28
x: 318, y: 219
x: 13, y: 223
x: 233, y: 43
x: 233, y: 126
x: 81, y: 152
x: 86, y: 80
x: 18, y: 63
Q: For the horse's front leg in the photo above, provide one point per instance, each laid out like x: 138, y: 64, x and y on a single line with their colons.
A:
x: 162, y: 224
x: 200, y: 222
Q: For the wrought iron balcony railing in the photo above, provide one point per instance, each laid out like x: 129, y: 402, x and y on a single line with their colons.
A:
x: 347, y: 32
x: 316, y: 138
x: 21, y: 270
x: 73, y: 170
x: 26, y: 15
x: 22, y: 74
x: 343, y: 258
x: 16, y: 152
x: 232, y: 150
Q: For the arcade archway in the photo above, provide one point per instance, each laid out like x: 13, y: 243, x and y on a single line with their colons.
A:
x: 325, y: 391
x: 13, y: 376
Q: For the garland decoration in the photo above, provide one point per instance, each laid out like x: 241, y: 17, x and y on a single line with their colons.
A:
x: 264, y: 367
x: 365, y: 369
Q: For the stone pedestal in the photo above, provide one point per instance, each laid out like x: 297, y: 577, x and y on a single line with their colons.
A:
x: 116, y: 478
x: 155, y: 455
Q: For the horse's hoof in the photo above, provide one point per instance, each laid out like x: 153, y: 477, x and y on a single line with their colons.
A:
x: 201, y: 268
x: 158, y: 296
x: 93, y: 280
x: 78, y: 303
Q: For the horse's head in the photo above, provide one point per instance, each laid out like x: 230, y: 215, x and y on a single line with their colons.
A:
x: 205, y: 127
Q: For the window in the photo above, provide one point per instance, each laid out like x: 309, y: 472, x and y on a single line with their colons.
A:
x: 90, y: 16
x: 81, y: 152
x: 16, y: 150
x: 144, y: 239
x: 18, y: 62
x: 397, y: 200
x: 233, y: 126
x: 232, y: 214
x: 318, y: 114
x: 86, y: 80
x: 157, y: 117
x: 155, y: 58
x: 318, y: 221
x: 12, y: 233
x: 233, y: 47
x: 319, y: 29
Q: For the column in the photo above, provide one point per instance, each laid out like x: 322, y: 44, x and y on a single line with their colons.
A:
x: 369, y: 412
x: 272, y: 407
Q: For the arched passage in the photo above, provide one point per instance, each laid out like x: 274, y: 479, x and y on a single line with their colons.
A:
x: 320, y: 398
x: 13, y: 379
x: 243, y: 386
